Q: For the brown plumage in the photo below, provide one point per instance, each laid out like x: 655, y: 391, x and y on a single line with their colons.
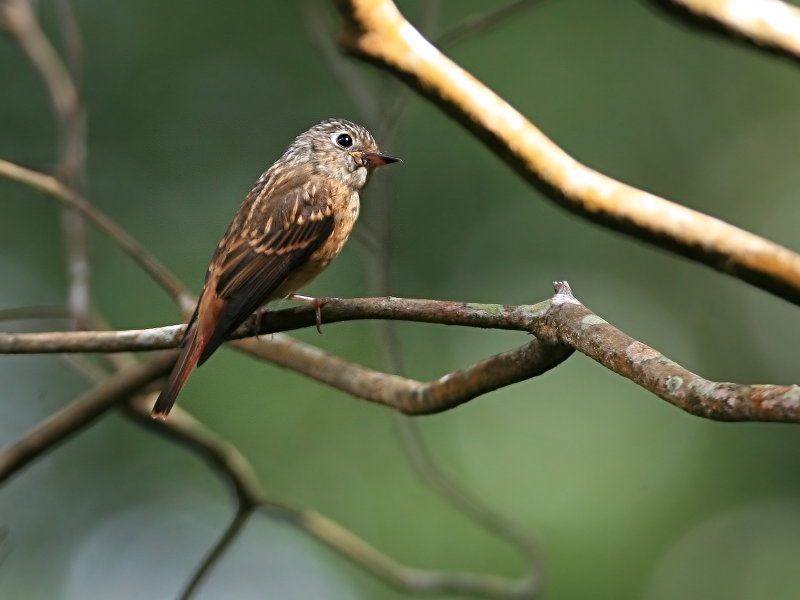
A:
x: 290, y: 226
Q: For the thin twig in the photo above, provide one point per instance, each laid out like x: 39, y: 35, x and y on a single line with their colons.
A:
x: 71, y: 171
x: 232, y: 531
x: 52, y: 187
x: 22, y: 22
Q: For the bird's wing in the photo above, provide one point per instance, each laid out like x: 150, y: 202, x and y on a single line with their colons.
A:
x: 278, y: 227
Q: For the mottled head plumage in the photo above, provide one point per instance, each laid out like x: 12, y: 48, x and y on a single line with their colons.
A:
x: 340, y: 149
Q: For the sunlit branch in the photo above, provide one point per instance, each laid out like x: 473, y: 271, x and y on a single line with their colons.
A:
x: 376, y: 31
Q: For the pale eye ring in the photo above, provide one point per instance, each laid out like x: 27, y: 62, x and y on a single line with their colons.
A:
x: 343, y: 140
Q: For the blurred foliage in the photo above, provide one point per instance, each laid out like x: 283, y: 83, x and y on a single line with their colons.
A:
x: 189, y: 101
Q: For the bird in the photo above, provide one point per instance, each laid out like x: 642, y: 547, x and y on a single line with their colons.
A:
x: 289, y: 227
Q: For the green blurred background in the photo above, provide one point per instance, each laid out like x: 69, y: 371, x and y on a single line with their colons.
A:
x: 631, y: 498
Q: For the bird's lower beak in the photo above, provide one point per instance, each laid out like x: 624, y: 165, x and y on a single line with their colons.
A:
x: 376, y: 159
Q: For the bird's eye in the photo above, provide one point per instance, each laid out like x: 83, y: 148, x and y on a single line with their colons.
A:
x: 344, y: 140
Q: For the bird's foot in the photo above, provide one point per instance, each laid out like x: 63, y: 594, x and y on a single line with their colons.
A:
x: 259, y: 316
x: 317, y: 303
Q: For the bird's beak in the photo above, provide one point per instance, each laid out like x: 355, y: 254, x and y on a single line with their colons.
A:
x: 376, y: 159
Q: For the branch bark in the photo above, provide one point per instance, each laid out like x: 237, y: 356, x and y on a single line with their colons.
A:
x: 487, y: 316
x: 561, y: 325
x: 570, y: 322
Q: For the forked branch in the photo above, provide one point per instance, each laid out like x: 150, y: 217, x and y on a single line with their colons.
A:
x: 560, y: 325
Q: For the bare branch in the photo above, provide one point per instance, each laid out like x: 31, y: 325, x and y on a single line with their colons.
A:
x: 570, y: 322
x: 410, y: 396
x: 560, y: 326
x: 487, y: 316
x: 148, y: 263
x: 770, y: 24
x: 376, y: 31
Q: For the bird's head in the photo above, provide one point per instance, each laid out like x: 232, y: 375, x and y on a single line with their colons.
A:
x: 340, y: 149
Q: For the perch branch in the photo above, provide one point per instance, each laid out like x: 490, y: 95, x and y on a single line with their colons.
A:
x: 376, y: 31
x: 561, y: 325
x: 488, y: 316
x: 407, y: 395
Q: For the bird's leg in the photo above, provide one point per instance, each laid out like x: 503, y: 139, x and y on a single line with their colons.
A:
x: 317, y: 303
x: 260, y: 312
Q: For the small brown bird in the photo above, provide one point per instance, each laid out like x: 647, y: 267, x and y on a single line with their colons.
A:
x: 290, y: 226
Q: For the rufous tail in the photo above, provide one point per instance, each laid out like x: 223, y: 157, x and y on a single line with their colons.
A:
x: 187, y: 361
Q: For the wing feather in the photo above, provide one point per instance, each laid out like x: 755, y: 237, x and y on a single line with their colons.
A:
x: 285, y: 225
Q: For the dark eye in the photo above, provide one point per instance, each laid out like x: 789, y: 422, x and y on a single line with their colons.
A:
x: 344, y: 140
